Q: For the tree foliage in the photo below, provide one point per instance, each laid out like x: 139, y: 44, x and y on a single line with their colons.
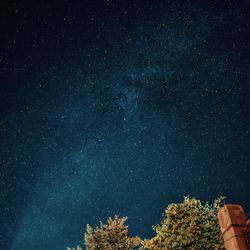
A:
x: 188, y: 225
x: 110, y: 236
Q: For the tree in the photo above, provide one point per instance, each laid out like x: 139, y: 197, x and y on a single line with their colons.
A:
x: 188, y: 225
x: 110, y: 236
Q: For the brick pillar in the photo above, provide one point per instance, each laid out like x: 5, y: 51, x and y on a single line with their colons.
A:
x: 234, y: 227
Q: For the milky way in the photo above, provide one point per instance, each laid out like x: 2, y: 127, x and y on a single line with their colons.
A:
x: 135, y: 121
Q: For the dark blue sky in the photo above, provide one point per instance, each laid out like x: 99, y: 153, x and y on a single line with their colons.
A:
x: 119, y: 107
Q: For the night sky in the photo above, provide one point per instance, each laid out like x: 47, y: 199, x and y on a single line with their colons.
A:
x: 119, y: 107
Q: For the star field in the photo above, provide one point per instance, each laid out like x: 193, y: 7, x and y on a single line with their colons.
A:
x: 111, y: 108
